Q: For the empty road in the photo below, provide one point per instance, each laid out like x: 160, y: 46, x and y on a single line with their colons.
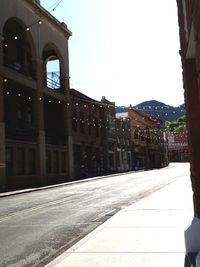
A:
x: 36, y: 227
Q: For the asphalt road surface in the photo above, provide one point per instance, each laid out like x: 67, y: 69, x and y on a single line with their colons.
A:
x: 36, y: 227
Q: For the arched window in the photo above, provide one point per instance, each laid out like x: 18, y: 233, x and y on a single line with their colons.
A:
x: 52, y: 67
x: 17, y: 48
x: 53, y: 73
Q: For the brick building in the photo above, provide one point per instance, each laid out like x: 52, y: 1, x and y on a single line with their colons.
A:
x: 148, y: 143
x: 124, y: 145
x: 35, y: 129
x: 109, y: 138
x: 178, y: 146
x: 189, y: 25
x: 87, y: 135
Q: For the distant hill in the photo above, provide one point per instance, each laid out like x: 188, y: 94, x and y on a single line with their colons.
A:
x: 157, y: 109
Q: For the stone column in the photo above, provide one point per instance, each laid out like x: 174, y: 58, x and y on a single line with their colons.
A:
x: 2, y: 126
x: 39, y: 106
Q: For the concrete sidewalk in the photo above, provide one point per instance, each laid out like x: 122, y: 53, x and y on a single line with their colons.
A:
x: 149, y: 233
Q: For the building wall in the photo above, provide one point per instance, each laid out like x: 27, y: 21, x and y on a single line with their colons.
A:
x: 109, y: 137
x: 189, y: 21
x: 37, y: 145
x: 178, y: 146
x: 148, y: 141
x: 124, y: 146
x: 87, y: 139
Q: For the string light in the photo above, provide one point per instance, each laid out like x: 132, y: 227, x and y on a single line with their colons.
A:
x: 139, y: 127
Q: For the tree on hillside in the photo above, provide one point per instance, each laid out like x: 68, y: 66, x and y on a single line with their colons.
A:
x: 177, y: 125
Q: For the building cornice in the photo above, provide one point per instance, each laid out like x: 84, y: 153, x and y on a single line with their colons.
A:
x: 44, y: 13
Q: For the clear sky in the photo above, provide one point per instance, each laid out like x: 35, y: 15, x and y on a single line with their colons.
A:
x: 126, y: 50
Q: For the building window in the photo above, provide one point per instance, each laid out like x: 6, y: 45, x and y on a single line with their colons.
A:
x: 142, y: 136
x: 20, y: 115
x: 29, y: 115
x: 111, y: 161
x: 82, y: 122
x: 111, y: 146
x: 74, y: 120
x: 55, y: 162
x: 31, y: 161
x: 89, y: 125
x: 48, y: 161
x: 136, y: 134
x: 53, y: 73
x: 63, y: 162
x: 96, y: 127
x: 20, y: 161
x: 9, y: 161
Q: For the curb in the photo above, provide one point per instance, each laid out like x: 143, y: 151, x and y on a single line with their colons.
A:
x: 17, y: 192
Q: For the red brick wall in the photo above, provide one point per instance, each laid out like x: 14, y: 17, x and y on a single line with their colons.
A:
x: 191, y: 81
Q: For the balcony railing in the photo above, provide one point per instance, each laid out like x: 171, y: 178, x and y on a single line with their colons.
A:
x: 52, y: 80
x: 21, y: 134
x: 18, y: 66
x: 55, y: 138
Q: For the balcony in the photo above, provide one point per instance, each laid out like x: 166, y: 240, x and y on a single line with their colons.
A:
x: 55, y: 138
x: 20, y: 67
x: 52, y: 80
x: 29, y: 135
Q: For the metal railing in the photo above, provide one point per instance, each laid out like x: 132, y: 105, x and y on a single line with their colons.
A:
x: 52, y: 80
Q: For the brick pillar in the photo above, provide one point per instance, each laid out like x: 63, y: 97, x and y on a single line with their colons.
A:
x: 2, y: 126
x: 39, y: 104
x: 68, y: 125
x: 192, y: 102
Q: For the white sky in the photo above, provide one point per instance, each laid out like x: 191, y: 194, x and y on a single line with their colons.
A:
x: 126, y: 50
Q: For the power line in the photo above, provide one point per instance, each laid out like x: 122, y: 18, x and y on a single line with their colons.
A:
x: 55, y: 5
